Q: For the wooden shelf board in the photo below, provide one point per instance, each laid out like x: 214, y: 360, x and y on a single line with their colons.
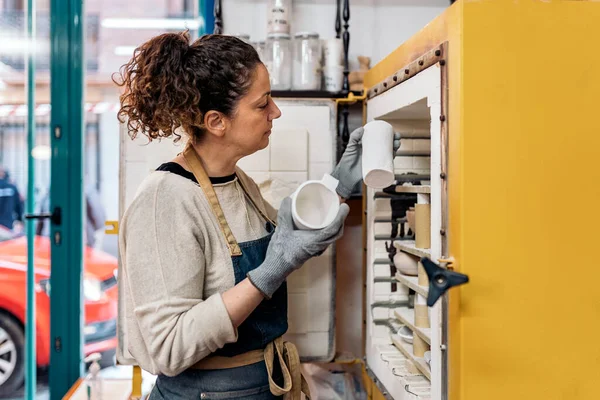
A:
x: 408, y: 246
x: 423, y: 189
x: 413, y: 153
x: 413, y: 283
x: 388, y: 220
x: 407, y: 350
x: 385, y: 279
x: 411, y: 177
x: 407, y: 316
x: 413, y: 189
x: 396, y: 239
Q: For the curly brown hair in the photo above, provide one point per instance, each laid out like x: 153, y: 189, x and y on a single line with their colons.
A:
x: 170, y: 83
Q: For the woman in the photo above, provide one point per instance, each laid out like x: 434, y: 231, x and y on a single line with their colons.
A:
x: 203, y: 262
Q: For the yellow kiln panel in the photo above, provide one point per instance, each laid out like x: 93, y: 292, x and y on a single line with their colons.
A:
x: 523, y: 194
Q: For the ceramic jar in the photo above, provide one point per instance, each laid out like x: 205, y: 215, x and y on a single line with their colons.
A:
x: 279, y: 16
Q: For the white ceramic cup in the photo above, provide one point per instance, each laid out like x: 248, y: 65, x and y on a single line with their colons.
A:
x: 315, y: 204
x: 333, y: 51
x: 334, y: 78
x: 377, y: 155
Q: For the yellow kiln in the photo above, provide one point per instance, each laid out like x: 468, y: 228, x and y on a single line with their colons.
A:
x: 508, y: 92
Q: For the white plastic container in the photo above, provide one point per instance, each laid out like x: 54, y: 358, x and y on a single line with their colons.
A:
x: 315, y: 204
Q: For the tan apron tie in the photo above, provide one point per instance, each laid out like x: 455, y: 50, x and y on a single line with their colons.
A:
x: 293, y: 382
x: 289, y: 361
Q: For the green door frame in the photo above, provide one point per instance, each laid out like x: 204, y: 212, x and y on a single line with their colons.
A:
x: 66, y: 193
x: 30, y: 328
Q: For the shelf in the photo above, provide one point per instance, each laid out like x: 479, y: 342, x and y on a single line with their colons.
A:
x: 386, y: 366
x: 390, y: 304
x: 309, y: 94
x: 413, y: 189
x: 402, y: 189
x: 385, y: 279
x: 413, y: 153
x: 382, y: 220
x: 407, y: 350
x: 382, y: 261
x: 396, y: 239
x: 411, y: 177
x: 407, y: 316
x: 408, y: 246
x: 412, y: 282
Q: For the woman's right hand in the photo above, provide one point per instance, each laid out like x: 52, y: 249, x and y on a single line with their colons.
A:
x: 290, y: 248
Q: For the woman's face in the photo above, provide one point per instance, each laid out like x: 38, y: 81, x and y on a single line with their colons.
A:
x: 250, y: 127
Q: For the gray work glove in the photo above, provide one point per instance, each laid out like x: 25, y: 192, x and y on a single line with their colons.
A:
x: 349, y: 170
x: 290, y: 248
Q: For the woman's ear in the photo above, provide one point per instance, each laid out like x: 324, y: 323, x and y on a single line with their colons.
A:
x: 214, y: 122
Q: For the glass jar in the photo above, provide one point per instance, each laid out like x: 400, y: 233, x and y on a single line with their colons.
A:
x: 279, y: 16
x: 278, y: 60
x: 307, y: 61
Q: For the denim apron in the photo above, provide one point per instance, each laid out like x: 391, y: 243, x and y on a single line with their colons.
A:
x: 259, y: 366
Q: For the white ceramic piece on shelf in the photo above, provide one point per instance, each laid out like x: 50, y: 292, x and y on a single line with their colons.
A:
x: 334, y: 78
x: 279, y: 16
x: 427, y: 357
x: 378, y: 157
x: 407, y: 264
x: 315, y: 203
x: 406, y: 334
x: 333, y: 52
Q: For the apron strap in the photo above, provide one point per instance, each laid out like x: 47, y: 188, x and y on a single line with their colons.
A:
x: 289, y: 360
x: 260, y: 211
x: 195, y: 164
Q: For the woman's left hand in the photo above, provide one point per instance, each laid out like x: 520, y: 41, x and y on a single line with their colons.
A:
x: 349, y: 170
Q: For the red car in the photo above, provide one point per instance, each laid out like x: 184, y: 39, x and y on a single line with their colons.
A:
x: 100, y: 295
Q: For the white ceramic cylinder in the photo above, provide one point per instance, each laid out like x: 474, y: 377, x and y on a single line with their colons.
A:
x: 333, y: 52
x: 315, y: 204
x: 378, y: 154
x: 279, y: 16
x: 334, y: 78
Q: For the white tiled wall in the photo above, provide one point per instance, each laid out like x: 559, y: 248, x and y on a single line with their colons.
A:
x: 259, y: 161
x: 302, y: 147
x: 289, y: 149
